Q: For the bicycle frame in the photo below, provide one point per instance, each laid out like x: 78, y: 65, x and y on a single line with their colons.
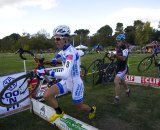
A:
x: 98, y: 69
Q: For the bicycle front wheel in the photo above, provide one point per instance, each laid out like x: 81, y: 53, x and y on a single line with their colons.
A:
x: 92, y: 74
x: 83, y: 72
x: 145, y: 64
x: 16, y: 91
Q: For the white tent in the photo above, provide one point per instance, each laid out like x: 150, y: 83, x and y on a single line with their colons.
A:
x: 81, y: 47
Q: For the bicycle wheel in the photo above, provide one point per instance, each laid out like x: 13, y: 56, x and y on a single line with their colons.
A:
x: 109, y: 73
x: 158, y: 69
x: 15, y: 92
x: 92, y: 74
x: 145, y: 64
x: 83, y: 72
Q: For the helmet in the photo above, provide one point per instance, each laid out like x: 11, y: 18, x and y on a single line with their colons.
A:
x: 62, y: 30
x: 120, y: 37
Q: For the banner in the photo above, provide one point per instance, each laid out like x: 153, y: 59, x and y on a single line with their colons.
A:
x: 142, y: 80
x: 12, y: 95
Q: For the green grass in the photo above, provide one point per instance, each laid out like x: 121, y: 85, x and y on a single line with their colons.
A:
x: 138, y: 112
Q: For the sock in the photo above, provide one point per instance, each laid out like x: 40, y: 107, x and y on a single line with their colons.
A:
x: 58, y: 110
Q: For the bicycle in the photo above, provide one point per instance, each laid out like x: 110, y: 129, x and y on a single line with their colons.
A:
x: 101, y: 72
x: 146, y: 63
x: 32, y: 81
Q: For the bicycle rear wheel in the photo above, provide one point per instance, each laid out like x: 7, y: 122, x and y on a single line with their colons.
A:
x: 145, y: 64
x: 109, y: 73
x: 19, y: 89
x: 92, y: 74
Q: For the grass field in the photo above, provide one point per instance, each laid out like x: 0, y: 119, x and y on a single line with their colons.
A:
x: 138, y: 112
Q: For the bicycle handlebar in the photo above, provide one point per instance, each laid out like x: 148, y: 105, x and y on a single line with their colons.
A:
x: 41, y: 61
x: 21, y: 51
x: 108, y: 55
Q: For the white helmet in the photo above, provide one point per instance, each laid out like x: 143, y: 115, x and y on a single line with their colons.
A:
x: 62, y: 30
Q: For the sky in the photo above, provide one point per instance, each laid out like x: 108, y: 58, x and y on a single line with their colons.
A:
x: 31, y: 16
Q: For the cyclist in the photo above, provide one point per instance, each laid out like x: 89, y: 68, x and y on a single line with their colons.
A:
x: 71, y: 80
x: 122, y: 68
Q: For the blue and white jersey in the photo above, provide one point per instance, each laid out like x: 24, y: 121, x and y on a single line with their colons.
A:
x: 70, y: 62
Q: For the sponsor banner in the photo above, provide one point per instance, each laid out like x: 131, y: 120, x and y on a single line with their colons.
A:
x: 64, y: 123
x: 142, y: 80
x: 12, y: 95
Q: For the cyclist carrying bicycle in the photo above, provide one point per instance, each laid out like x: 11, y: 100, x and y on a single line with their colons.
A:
x: 71, y: 80
x: 122, y: 68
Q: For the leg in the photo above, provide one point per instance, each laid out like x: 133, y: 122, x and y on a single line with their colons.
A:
x: 125, y: 84
x: 77, y: 97
x: 84, y: 107
x: 50, y: 94
x: 117, y: 81
x: 128, y: 91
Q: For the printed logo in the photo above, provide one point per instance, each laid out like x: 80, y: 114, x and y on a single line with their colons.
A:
x: 69, y: 57
x: 7, y: 81
x: 71, y: 124
x: 42, y: 112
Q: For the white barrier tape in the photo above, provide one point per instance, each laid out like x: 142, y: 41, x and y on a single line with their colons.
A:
x: 142, y: 80
x: 64, y: 123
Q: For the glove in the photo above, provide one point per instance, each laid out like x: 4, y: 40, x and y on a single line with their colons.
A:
x: 54, y: 61
x: 41, y: 71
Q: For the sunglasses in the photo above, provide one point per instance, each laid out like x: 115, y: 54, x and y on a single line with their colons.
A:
x: 58, y: 38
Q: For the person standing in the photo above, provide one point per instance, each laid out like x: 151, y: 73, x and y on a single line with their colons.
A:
x: 71, y: 80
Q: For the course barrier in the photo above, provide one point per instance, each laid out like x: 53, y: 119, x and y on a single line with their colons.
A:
x: 142, y: 80
x: 64, y: 123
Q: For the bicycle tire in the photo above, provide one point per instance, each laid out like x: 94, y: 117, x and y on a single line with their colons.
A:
x: 92, y: 73
x: 145, y: 64
x: 158, y: 69
x: 83, y: 72
x: 109, y: 73
x: 23, y: 81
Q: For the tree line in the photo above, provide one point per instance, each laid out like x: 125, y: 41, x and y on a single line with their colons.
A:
x: 140, y: 34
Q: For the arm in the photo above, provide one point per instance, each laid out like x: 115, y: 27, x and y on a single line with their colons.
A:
x: 54, y: 60
x: 123, y: 56
x: 67, y: 69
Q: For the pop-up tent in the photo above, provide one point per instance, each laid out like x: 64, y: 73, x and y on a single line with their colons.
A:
x: 81, y: 47
x: 98, y: 47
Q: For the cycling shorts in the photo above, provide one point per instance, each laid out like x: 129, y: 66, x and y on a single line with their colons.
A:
x: 76, y: 88
x: 121, y: 74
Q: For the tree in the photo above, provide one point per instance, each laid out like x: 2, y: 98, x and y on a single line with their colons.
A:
x: 104, y: 35
x: 130, y: 34
x: 119, y: 28
x: 143, y: 32
x: 82, y: 32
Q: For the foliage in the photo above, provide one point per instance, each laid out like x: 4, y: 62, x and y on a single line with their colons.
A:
x: 141, y: 33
